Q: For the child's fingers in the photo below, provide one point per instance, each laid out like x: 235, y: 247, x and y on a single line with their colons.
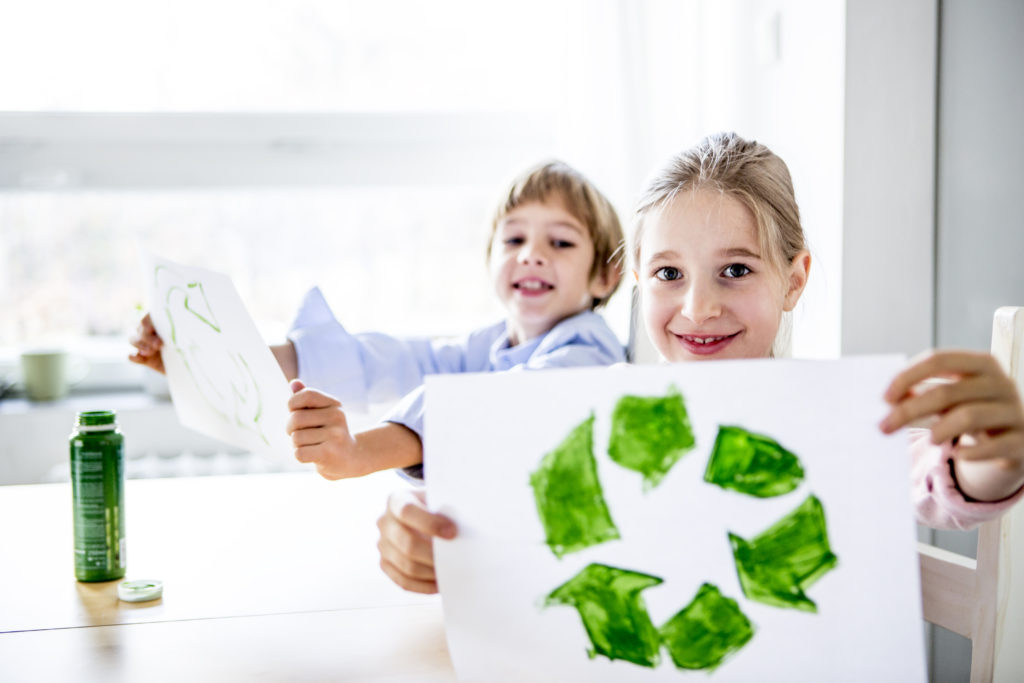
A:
x: 146, y: 337
x: 939, y: 364
x: 1006, y: 448
x: 309, y: 453
x: 976, y: 417
x: 311, y: 398
x: 153, y: 362
x: 409, y: 584
x: 416, y: 565
x: 310, y: 437
x: 409, y: 507
x: 312, y: 418
x: 939, y: 398
x: 296, y: 386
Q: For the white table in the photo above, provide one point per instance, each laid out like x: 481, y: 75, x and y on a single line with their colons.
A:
x: 267, y: 577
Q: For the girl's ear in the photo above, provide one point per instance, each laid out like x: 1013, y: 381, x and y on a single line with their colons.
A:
x: 798, y: 272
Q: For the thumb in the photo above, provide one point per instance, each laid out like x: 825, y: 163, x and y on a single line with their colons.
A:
x: 297, y: 386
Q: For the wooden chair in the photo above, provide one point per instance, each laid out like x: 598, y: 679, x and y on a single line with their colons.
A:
x: 983, y: 599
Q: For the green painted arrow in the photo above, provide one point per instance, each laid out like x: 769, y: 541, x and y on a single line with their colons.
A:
x: 568, y: 494
x: 779, y: 564
x: 752, y: 464
x: 706, y: 631
x: 649, y: 434
x: 613, y: 613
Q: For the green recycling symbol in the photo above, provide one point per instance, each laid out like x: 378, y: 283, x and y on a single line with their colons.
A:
x: 649, y: 435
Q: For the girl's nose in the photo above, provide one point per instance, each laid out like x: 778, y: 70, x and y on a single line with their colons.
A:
x: 700, y: 304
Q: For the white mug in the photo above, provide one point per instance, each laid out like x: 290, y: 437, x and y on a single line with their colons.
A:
x: 46, y: 374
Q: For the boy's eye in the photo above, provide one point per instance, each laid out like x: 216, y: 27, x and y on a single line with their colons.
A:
x: 736, y: 270
x: 668, y: 273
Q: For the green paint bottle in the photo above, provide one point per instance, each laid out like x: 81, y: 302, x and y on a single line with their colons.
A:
x: 97, y: 489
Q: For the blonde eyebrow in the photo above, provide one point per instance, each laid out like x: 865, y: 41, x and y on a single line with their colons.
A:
x: 553, y: 224
x: 663, y: 255
x: 741, y: 251
x: 579, y: 229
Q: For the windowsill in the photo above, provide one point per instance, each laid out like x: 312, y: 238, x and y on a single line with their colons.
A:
x: 95, y: 365
x: 34, y: 447
x: 35, y: 433
x: 119, y: 399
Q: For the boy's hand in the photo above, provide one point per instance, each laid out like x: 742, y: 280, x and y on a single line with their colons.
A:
x: 319, y: 431
x: 147, y: 344
x: 407, y: 532
x: 978, y: 401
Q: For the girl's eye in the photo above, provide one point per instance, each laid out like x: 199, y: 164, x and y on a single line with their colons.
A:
x: 736, y: 270
x: 513, y: 241
x: 668, y: 274
x: 563, y: 244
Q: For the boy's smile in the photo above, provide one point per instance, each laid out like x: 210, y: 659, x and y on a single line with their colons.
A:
x: 541, y: 257
x: 706, y: 290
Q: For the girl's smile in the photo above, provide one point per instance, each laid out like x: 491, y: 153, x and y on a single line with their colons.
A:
x: 706, y: 345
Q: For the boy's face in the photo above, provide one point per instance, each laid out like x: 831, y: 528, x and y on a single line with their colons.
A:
x: 706, y: 290
x: 540, y: 265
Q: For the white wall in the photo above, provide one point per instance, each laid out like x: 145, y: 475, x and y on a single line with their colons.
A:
x: 888, y: 202
x: 980, y: 168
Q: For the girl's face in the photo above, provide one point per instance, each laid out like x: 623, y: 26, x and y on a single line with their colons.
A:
x: 540, y: 263
x: 707, y: 291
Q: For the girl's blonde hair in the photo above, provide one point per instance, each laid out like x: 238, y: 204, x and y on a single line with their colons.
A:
x: 557, y: 181
x: 749, y: 172
x: 743, y: 169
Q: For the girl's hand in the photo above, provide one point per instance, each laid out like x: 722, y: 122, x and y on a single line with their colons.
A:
x: 407, y: 532
x: 320, y: 434
x: 147, y: 344
x: 977, y: 408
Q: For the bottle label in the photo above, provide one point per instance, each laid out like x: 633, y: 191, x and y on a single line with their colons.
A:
x: 99, y: 539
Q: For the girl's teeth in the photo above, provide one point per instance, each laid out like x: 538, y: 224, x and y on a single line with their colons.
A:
x: 705, y: 340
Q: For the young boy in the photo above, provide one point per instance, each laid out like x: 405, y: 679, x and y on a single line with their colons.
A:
x: 551, y: 259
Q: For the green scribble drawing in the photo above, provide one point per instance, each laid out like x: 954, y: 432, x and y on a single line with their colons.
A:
x: 649, y: 434
x: 613, y: 613
x: 241, y: 401
x: 752, y: 464
x: 778, y: 565
x: 568, y: 494
x: 705, y: 632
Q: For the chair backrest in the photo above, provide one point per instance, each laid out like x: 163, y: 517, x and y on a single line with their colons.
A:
x: 974, y: 597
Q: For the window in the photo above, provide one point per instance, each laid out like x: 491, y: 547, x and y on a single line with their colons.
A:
x: 360, y: 145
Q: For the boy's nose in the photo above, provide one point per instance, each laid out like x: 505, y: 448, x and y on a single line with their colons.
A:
x: 531, y: 253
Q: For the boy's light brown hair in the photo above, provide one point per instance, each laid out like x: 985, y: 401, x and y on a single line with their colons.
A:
x: 557, y: 181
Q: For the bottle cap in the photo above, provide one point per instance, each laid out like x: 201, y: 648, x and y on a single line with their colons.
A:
x: 140, y: 591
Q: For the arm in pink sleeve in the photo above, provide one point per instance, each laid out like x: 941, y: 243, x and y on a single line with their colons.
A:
x: 938, y: 501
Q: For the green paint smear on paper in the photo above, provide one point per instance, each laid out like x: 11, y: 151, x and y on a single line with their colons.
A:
x: 568, y: 494
x: 706, y: 631
x: 649, y: 434
x: 786, y: 559
x: 752, y: 464
x: 614, y: 615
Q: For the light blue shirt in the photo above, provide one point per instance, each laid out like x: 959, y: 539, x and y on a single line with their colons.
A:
x: 367, y: 368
